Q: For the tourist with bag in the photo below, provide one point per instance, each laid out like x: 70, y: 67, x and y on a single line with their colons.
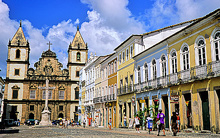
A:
x: 160, y: 122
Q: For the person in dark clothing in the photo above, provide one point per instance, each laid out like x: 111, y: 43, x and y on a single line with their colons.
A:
x: 174, y: 124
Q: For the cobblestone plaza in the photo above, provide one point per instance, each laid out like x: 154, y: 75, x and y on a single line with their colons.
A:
x: 91, y: 132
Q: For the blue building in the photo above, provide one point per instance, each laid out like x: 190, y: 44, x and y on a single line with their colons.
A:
x: 151, y: 80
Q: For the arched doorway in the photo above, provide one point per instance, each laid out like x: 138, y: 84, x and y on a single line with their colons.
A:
x: 31, y: 116
x: 60, y: 115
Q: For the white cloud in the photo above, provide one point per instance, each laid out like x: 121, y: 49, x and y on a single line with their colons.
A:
x: 8, y: 28
x: 110, y: 23
x: 165, y: 12
x: 60, y: 35
x: 77, y: 21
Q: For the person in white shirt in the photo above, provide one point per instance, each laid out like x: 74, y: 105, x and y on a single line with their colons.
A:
x: 137, y: 123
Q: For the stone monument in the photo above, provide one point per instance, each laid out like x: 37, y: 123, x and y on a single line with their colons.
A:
x: 45, y: 119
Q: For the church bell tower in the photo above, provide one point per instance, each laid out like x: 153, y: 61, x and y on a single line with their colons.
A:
x: 77, y: 55
x: 18, y: 56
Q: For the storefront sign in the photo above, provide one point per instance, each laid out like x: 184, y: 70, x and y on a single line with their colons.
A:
x: 142, y: 101
x: 174, y: 98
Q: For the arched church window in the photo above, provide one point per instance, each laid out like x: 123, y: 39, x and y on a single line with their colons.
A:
x: 78, y: 56
x: 18, y: 53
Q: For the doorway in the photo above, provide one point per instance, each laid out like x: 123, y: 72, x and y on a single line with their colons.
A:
x: 147, y: 106
x: 60, y: 115
x: 205, y: 110
x: 129, y: 106
x: 31, y: 116
x: 120, y: 114
x: 218, y: 95
x: 165, y: 101
x: 188, y: 110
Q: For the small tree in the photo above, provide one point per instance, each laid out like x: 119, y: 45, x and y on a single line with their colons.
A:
x: 153, y: 110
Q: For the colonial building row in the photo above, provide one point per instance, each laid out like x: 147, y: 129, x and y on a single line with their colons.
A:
x: 176, y: 67
x: 24, y: 86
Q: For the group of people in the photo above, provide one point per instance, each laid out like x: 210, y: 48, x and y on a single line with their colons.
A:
x: 175, y: 122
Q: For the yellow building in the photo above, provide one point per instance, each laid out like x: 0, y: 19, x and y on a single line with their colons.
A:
x: 112, y: 86
x: 125, y: 108
x: 194, y: 73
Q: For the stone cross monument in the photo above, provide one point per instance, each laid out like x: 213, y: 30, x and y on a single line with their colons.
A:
x: 45, y: 119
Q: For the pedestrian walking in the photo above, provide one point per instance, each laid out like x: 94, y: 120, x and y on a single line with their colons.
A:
x: 125, y: 120
x: 66, y: 123
x: 19, y: 122
x: 137, y: 123
x: 174, y: 123
x: 178, y: 121
x: 84, y: 123
x: 160, y: 122
x: 110, y: 124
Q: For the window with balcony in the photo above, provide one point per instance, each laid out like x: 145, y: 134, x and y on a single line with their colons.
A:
x: 131, y: 83
x: 217, y: 45
x: 139, y: 74
x: 154, y: 69
x: 145, y: 72
x: 126, y: 84
x: 201, y: 52
x: 185, y: 57
x: 121, y: 85
x: 173, y: 62
x: 163, y: 66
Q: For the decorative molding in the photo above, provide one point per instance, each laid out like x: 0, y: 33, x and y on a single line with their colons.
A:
x: 15, y: 87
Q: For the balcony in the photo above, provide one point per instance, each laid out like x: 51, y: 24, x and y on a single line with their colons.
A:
x: 185, y: 75
x: 216, y: 68
x: 173, y: 78
x: 201, y: 71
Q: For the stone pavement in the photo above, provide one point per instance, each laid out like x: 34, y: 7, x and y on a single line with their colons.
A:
x: 91, y: 132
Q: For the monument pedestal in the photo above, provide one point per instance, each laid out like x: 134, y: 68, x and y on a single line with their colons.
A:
x: 45, y: 119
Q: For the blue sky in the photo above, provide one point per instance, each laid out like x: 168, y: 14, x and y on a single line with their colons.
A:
x: 104, y: 24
